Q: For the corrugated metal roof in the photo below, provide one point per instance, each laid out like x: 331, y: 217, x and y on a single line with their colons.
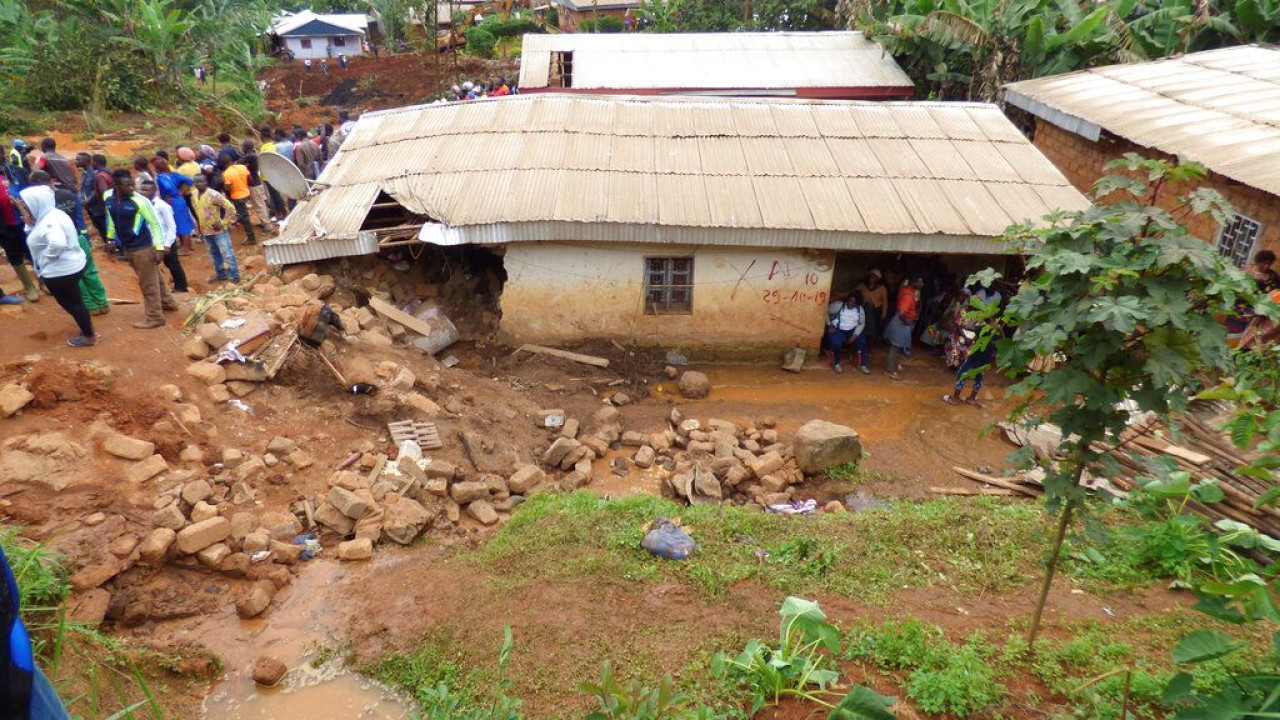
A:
x: 690, y: 164
x: 713, y: 61
x: 1219, y: 107
x: 287, y: 23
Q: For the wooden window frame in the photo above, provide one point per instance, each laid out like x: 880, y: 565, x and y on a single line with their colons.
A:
x: 561, y: 71
x: 669, y: 284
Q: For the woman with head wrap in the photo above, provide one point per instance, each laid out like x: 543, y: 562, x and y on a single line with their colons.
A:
x: 59, y: 260
x: 173, y: 187
x: 207, y: 155
x: 187, y: 164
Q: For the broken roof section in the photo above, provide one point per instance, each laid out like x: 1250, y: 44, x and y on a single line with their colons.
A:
x: 910, y: 177
x: 1220, y: 108
x: 692, y: 62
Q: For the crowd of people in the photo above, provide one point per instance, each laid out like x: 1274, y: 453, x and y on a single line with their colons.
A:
x: 147, y: 214
x: 474, y: 90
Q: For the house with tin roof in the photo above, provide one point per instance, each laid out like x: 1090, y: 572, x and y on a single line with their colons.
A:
x: 309, y: 35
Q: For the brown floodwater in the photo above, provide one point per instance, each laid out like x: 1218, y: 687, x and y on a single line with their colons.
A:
x: 296, y: 632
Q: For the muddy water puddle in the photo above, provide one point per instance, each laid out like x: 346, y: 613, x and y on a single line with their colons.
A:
x: 300, y: 632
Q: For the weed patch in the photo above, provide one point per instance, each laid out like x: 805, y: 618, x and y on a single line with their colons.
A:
x: 976, y: 545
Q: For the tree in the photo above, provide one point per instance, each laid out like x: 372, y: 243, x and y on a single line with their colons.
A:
x: 1122, y: 301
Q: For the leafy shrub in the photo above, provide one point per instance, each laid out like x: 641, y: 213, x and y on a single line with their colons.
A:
x: 512, y: 27
x: 959, y: 682
x: 635, y: 701
x: 606, y: 24
x: 480, y: 42
x: 896, y: 645
x: 12, y: 123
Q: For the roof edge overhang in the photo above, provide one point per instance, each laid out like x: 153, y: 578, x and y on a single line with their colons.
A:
x: 827, y: 92
x: 1066, y: 121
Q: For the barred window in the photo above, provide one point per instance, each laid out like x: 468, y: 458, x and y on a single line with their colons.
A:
x: 1237, y: 238
x: 668, y: 285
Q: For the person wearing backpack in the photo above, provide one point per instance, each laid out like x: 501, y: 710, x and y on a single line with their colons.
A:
x: 846, y: 324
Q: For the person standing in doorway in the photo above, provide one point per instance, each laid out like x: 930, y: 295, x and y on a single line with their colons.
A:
x: 56, y: 254
x: 875, y: 301
x: 235, y: 178
x: 847, y: 325
x: 898, y: 331
x: 213, y: 210
x: 132, y: 221
x: 169, y: 231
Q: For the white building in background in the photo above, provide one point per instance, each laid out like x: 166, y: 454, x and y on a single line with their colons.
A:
x: 310, y: 35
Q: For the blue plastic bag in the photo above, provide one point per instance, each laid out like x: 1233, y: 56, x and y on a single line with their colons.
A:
x: 666, y: 539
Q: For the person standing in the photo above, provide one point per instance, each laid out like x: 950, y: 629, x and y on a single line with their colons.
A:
x: 57, y: 256
x: 1262, y: 271
x: 258, y: 197
x: 173, y: 188
x: 898, y: 332
x: 875, y: 301
x: 91, y: 289
x: 141, y: 171
x: 95, y: 181
x: 132, y: 221
x: 169, y: 231
x: 13, y: 239
x: 847, y: 324
x: 305, y: 154
x: 235, y: 177
x: 974, y: 366
x: 56, y: 164
x: 227, y: 150
x: 212, y: 211
x: 187, y: 164
x: 345, y: 125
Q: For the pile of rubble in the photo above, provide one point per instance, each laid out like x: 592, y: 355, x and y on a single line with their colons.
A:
x: 702, y: 461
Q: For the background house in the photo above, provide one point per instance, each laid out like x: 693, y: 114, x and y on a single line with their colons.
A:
x: 572, y: 13
x: 1220, y: 107
x: 310, y: 35
x: 836, y: 65
x: 678, y: 220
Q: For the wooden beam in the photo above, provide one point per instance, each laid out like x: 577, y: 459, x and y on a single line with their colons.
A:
x: 998, y: 482
x: 995, y: 492
x: 584, y: 359
x: 395, y: 314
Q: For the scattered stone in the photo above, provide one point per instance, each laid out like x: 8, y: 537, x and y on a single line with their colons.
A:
x: 441, y: 469
x: 422, y: 404
x: 550, y: 418
x: 268, y: 671
x: 195, y: 491
x: 281, y: 445
x: 243, y: 523
x: 213, y: 555
x: 91, y: 576
x: 195, y: 349
x: 232, y: 457
x: 250, y: 469
x: 694, y: 385
x: 403, y: 519
x: 359, y: 549
x: 467, y: 492
x: 620, y: 398
x: 483, y: 512
x: 280, y: 525
x: 671, y: 371
x: 191, y: 454
x: 766, y: 464
x: 235, y: 565
x: 270, y: 460
x: 644, y: 457
x: 198, y: 536
x: 90, y: 608
x: 331, y: 517
x: 348, y: 503
x: 218, y: 393
x: 202, y: 511
x: 285, y: 553
x: 570, y: 429
x: 240, y: 388
x: 123, y: 446
x: 835, y: 506
x: 188, y: 414
x: 155, y: 547
x: 820, y: 445
x: 404, y: 380
x: 207, y: 372
x: 255, y: 542
x: 300, y: 459
x: 147, y: 469
x: 559, y: 449
x: 525, y: 479
x: 631, y: 438
x: 172, y: 393
x: 212, y: 335
x: 95, y: 519
x: 170, y: 517
x: 256, y: 600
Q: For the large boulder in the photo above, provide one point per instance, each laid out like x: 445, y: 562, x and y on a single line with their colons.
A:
x: 694, y: 385
x: 820, y: 445
x: 403, y: 520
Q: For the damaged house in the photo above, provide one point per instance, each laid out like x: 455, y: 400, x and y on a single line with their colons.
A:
x: 685, y: 220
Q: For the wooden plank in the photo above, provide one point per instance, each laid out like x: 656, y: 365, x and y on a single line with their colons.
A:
x: 995, y: 492
x: 584, y: 359
x: 391, y: 312
x: 998, y: 482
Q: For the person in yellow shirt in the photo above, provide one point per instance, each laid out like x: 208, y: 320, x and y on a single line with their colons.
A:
x: 236, y: 177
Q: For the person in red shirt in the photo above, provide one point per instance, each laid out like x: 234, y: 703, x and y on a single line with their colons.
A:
x: 898, y: 332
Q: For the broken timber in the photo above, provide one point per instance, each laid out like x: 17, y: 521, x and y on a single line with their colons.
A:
x: 584, y: 359
x: 998, y: 482
x: 391, y: 312
x: 424, y: 433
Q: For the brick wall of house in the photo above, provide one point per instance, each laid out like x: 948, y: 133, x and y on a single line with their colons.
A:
x: 1082, y: 162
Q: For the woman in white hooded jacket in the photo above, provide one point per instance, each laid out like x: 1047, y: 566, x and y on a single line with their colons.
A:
x: 59, y: 259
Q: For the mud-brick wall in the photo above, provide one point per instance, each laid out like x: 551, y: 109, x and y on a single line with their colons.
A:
x: 1083, y: 161
x: 761, y: 297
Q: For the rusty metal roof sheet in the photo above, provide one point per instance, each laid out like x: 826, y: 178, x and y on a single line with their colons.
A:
x: 713, y: 61
x: 1219, y: 107
x: 951, y: 175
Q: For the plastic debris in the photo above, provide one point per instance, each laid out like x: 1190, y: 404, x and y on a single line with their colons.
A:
x: 310, y: 546
x: 799, y: 507
x: 232, y: 323
x: 665, y: 539
x: 410, y: 448
x: 239, y: 404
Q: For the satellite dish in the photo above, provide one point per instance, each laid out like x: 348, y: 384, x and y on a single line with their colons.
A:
x: 283, y: 175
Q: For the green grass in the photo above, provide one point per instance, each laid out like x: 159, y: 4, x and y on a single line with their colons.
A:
x: 977, y: 545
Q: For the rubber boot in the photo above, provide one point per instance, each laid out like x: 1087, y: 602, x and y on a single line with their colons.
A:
x: 33, y: 295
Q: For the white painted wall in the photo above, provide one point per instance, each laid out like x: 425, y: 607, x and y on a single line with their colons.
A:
x: 319, y: 45
x: 571, y: 291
